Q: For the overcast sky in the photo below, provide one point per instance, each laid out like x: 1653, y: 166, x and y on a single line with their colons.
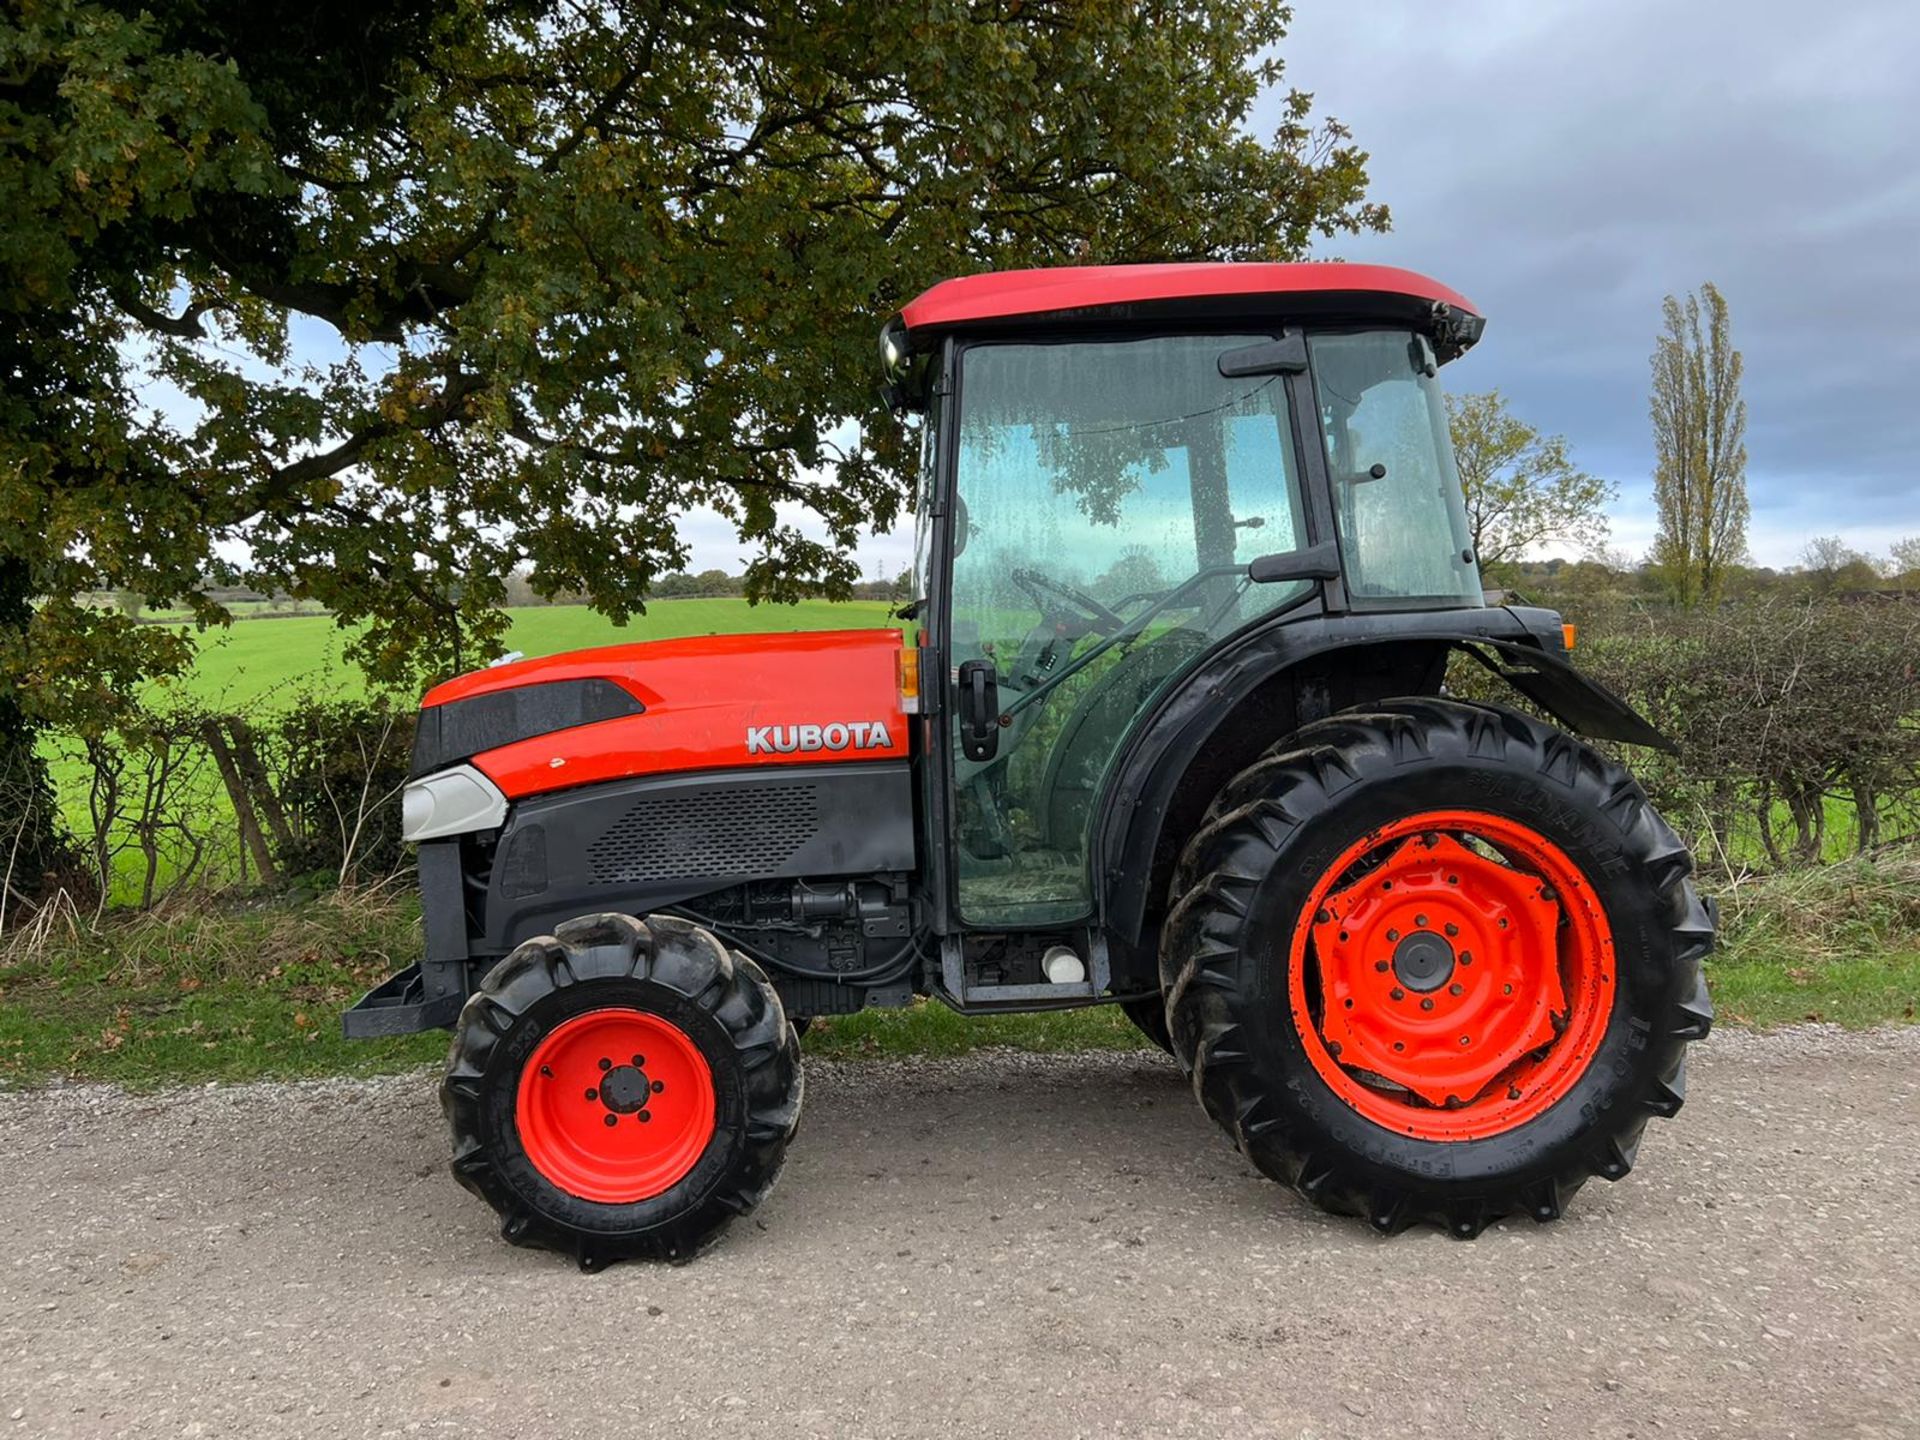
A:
x: 1566, y: 165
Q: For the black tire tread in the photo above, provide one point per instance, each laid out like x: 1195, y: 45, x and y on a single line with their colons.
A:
x: 687, y: 959
x: 1255, y: 816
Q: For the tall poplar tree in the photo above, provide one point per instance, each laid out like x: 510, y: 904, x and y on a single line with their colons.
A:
x: 1699, y: 436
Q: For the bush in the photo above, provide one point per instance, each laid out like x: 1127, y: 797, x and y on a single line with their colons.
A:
x: 1798, y: 722
x: 1793, y: 720
x: 188, y: 799
x: 339, y: 769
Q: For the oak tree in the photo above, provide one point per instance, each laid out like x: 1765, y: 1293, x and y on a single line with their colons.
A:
x: 378, y: 302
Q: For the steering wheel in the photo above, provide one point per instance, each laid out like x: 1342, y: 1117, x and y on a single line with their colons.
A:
x: 1039, y: 587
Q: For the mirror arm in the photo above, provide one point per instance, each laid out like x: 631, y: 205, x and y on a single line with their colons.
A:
x: 1316, y: 562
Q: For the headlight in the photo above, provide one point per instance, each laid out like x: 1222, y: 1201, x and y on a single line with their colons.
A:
x: 451, y: 802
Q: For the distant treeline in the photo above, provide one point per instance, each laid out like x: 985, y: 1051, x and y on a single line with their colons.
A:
x: 245, y: 604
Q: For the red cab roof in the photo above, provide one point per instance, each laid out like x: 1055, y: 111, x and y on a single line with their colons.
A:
x: 1007, y: 294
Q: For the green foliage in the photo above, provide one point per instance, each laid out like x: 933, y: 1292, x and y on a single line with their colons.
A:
x: 35, y: 855
x: 581, y: 269
x: 339, y: 769
x: 1699, y: 435
x: 1903, y: 563
x: 1522, y: 489
x: 1783, y: 711
x: 1831, y: 566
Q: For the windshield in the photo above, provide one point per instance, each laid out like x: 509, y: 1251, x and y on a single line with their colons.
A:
x: 1403, y: 527
x: 1108, y: 496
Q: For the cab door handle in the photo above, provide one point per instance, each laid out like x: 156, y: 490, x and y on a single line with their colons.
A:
x: 979, y: 709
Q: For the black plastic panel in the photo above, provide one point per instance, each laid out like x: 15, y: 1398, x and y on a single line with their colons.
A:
x: 638, y: 845
x: 447, y: 734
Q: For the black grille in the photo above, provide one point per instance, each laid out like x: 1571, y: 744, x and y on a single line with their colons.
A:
x: 745, y: 831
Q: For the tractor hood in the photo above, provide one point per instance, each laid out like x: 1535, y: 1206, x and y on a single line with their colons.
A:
x: 702, y: 703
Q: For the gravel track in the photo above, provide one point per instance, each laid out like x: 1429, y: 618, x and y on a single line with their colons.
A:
x: 998, y: 1245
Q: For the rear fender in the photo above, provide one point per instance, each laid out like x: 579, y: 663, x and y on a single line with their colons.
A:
x: 1267, y: 684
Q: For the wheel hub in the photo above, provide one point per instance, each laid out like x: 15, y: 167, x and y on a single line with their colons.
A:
x: 1438, y: 969
x: 1423, y: 961
x: 625, y: 1089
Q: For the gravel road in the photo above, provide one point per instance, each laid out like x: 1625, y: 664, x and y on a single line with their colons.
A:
x: 996, y: 1245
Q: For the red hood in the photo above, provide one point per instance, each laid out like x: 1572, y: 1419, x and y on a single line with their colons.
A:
x: 712, y: 702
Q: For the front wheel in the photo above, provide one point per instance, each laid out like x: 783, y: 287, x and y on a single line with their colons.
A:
x: 622, y: 1089
x: 1436, y: 962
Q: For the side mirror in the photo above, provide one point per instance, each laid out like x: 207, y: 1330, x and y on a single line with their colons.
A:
x: 1316, y: 562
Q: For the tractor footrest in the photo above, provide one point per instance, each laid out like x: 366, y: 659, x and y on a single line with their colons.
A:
x: 399, y: 1006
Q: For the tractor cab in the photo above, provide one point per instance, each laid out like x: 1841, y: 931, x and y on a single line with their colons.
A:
x: 1123, y: 469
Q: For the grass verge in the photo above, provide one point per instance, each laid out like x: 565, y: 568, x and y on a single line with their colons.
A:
x: 213, y: 992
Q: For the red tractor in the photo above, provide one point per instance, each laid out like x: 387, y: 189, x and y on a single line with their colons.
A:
x: 1169, y: 731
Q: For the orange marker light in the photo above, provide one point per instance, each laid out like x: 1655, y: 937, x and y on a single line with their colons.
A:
x: 909, y: 680
x: 1568, y: 635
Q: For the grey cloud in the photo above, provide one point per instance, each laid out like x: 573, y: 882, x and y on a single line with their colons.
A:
x: 1568, y: 165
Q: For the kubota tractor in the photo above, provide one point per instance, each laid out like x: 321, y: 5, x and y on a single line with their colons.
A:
x: 1169, y: 731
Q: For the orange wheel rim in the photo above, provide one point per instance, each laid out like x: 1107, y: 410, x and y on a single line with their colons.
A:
x: 1452, y: 975
x: 615, y: 1105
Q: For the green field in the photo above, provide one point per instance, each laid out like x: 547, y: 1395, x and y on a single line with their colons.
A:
x: 255, y: 662
x: 262, y: 666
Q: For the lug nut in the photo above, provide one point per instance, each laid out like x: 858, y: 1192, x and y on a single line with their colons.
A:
x: 605, y: 1064
x: 1452, y: 929
x: 592, y: 1094
x: 1455, y: 989
x: 1382, y: 966
x: 1322, y: 917
x: 1426, y: 1004
x: 1421, y: 921
x: 644, y: 1117
x: 612, y: 1119
x: 1466, y: 1040
x: 658, y: 1086
x: 639, y: 1062
x: 1466, y: 957
x: 1393, y: 934
x: 1398, y: 993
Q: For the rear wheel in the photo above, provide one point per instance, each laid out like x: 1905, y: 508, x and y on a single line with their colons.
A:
x: 622, y: 1089
x: 1436, y: 962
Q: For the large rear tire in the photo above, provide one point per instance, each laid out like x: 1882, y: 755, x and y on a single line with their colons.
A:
x: 622, y: 1089
x: 1436, y: 962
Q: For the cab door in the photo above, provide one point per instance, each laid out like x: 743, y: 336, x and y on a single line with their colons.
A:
x: 1108, y: 495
